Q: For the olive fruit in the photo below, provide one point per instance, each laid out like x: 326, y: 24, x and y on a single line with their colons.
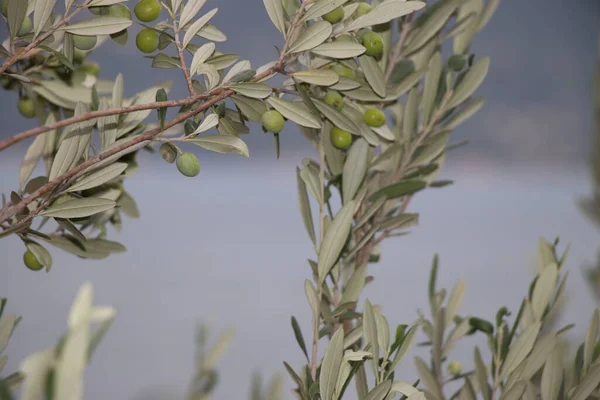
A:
x: 363, y: 8
x: 31, y: 261
x: 455, y: 368
x: 25, y: 27
x: 344, y: 71
x: 91, y: 68
x: 273, y: 121
x: 373, y: 42
x: 334, y: 16
x: 119, y: 10
x: 147, y: 40
x: 374, y: 117
x: 84, y: 42
x: 78, y: 56
x: 334, y: 99
x: 26, y: 107
x: 147, y: 10
x: 188, y: 164
x: 340, y: 139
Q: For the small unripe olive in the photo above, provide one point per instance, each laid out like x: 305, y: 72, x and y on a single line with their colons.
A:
x: 334, y: 16
x: 363, y: 8
x: 334, y: 99
x: 373, y: 42
x: 119, y: 10
x: 147, y: 40
x: 340, y: 139
x: 344, y: 71
x: 457, y: 62
x: 273, y: 121
x: 374, y: 117
x: 91, y: 68
x: 25, y: 27
x: 31, y: 261
x: 188, y: 164
x: 455, y: 368
x: 26, y: 107
x: 147, y: 10
x: 344, y: 38
x: 84, y: 42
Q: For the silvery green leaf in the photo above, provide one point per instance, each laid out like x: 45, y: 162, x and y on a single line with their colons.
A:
x: 355, y: 169
x: 543, y: 346
x: 224, y: 144
x: 383, y: 333
x: 197, y: 25
x: 15, y: 14
x: 313, y: 36
x: 455, y: 301
x: 591, y: 336
x: 543, y: 291
x: 313, y: 300
x: 99, y: 177
x: 370, y: 211
x: 72, y: 147
x: 218, y: 349
x: 406, y: 344
x: 100, y: 25
x: 355, y: 285
x: 403, y: 388
x: 470, y: 82
x: 201, y: 55
x: 222, y: 61
x: 34, y: 153
x: 305, y: 210
x: 275, y: 11
x: 409, y: 122
x: 251, y: 108
x: 373, y: 74
x: 481, y: 374
x: 320, y: 77
x: 107, y: 126
x: 237, y: 68
x: 310, y: 176
x: 41, y: 15
x: 345, y: 84
x: 426, y: 375
x: 295, y: 111
x: 380, y: 391
x: 117, y: 93
x: 552, y: 377
x: 486, y: 15
x: 336, y: 117
x: 384, y: 132
x: 40, y: 252
x: 339, y: 50
x: 466, y: 112
x: 209, y: 122
x: 434, y: 24
x: 252, y: 90
x: 335, y: 239
x: 331, y: 365
x: 384, y: 12
x: 587, y: 384
x: 520, y: 349
x: 514, y: 392
x: 463, y: 40
x: 370, y: 335
x: 212, y: 33
x: 212, y: 75
x: 35, y: 367
x: 321, y: 7
x: 191, y: 8
x: 432, y: 79
x: 79, y: 208
x: 7, y: 323
x: 162, y: 60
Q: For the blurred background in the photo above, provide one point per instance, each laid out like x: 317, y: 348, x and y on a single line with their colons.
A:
x: 228, y: 247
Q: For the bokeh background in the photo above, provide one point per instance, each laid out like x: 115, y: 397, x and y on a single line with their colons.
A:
x: 229, y: 248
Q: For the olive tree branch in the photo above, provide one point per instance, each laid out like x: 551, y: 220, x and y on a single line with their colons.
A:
x: 398, y: 48
x: 289, y: 37
x: 216, y: 96
x: 184, y: 68
x: 96, y: 114
x: 21, y: 54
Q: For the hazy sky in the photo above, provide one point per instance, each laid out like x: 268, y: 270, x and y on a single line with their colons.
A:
x: 228, y: 247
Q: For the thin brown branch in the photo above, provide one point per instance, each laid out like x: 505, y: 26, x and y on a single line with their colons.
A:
x: 95, y: 114
x: 8, y: 212
x: 23, y: 53
x: 184, y: 68
x: 289, y: 37
x: 398, y: 48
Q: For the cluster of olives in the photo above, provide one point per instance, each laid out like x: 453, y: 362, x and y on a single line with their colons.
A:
x: 187, y: 163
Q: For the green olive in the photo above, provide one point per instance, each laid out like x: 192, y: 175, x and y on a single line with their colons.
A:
x: 273, y: 121
x: 373, y: 42
x: 188, y: 164
x: 340, y: 139
x: 25, y: 27
x: 84, y: 42
x: 147, y: 10
x: 374, y: 117
x: 119, y: 10
x: 147, y: 40
x: 334, y: 99
x: 363, y: 8
x: 99, y: 10
x: 334, y: 16
x: 31, y: 261
x: 26, y: 107
x: 455, y: 368
x: 344, y: 71
x: 91, y: 68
